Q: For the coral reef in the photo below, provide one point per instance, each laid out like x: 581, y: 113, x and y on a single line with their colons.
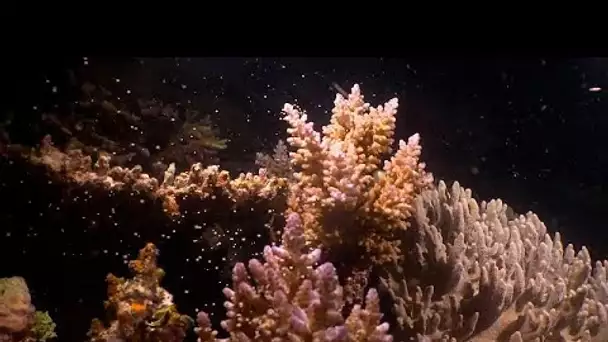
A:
x: 79, y: 168
x: 291, y: 298
x: 19, y: 320
x: 278, y: 164
x: 346, y: 196
x: 479, y: 272
x: 453, y: 269
x: 142, y: 309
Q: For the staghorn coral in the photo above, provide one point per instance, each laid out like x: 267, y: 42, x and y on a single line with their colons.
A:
x: 347, y: 197
x: 19, y: 320
x: 479, y: 272
x: 143, y: 310
x: 292, y: 298
x: 202, y: 182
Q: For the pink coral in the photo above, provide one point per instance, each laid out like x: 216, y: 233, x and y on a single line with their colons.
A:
x: 289, y: 297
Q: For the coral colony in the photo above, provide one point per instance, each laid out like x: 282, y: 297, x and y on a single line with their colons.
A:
x: 358, y: 206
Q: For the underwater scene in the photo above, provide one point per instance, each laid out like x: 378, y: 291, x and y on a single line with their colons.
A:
x: 304, y: 199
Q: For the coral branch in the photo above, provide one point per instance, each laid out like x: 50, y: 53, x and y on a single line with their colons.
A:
x: 341, y: 190
x: 199, y: 181
x: 290, y: 297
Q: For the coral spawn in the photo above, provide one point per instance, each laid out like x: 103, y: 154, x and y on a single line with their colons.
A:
x: 360, y: 210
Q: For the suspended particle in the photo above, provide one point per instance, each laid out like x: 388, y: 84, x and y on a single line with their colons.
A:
x: 595, y: 89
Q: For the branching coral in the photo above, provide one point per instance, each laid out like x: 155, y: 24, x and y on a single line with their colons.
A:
x: 291, y: 298
x: 342, y: 190
x: 199, y: 181
x: 455, y: 269
x: 478, y: 272
x: 143, y: 310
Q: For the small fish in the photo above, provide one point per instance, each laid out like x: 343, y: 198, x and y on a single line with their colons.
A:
x: 337, y: 87
x: 109, y: 106
x: 138, y: 308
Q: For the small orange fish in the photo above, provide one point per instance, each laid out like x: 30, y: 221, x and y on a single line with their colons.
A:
x: 138, y: 308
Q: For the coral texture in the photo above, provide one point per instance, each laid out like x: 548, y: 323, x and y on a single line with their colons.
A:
x: 455, y: 269
x: 199, y: 181
x: 16, y: 309
x: 291, y: 298
x: 19, y: 320
x: 345, y: 193
x: 143, y: 310
x: 479, y: 272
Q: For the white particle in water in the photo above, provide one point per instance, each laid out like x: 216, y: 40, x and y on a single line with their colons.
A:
x: 54, y: 89
x: 595, y: 89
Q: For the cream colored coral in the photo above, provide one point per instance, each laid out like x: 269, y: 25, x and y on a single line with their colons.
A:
x: 343, y: 189
x: 481, y: 273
